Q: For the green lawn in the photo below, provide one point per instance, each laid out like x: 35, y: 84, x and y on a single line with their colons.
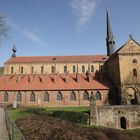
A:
x: 17, y: 113
x: 72, y: 108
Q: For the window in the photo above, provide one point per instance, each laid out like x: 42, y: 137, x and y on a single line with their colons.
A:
x: 59, y: 96
x: 83, y: 68
x: 110, y: 95
x: 12, y: 70
x: 135, y: 61
x: 92, y: 68
x: 85, y: 95
x: 74, y: 69
x: 42, y: 69
x: 46, y: 97
x: 72, y: 96
x: 53, y: 69
x: 32, y: 69
x: 65, y: 69
x: 21, y: 71
x: 6, y: 97
x: 98, y: 95
x: 19, y: 97
x: 135, y: 72
x: 32, y: 97
x: 101, y: 68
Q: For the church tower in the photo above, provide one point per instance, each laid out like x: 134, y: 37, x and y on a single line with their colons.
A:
x: 110, y: 40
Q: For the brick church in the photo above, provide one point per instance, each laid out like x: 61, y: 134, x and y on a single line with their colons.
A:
x: 71, y: 80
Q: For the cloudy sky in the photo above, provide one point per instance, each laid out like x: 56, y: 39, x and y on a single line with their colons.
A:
x: 66, y: 27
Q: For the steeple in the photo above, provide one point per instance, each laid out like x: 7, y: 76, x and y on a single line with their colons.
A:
x: 110, y: 41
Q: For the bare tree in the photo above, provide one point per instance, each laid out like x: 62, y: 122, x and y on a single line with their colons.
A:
x: 3, y: 27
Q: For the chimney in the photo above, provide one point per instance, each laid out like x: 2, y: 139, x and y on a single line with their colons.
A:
x: 87, y: 76
x: 67, y: 76
x: 18, y: 79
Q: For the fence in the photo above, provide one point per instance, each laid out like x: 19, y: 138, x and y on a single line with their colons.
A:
x: 14, y: 132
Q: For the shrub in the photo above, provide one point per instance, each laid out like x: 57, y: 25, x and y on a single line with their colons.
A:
x: 36, y: 110
x: 76, y: 117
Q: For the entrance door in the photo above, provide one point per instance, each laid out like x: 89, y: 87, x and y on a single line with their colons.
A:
x: 123, y: 122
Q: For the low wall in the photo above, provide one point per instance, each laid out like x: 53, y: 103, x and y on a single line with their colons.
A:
x: 119, y: 116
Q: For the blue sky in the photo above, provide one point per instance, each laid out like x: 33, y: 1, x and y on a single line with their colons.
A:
x: 66, y: 27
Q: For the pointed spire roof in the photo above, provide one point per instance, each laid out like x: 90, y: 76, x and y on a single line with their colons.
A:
x: 109, y: 29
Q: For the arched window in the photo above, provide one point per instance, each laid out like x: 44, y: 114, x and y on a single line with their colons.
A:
x: 110, y: 95
x: 21, y: 71
x: 135, y: 72
x: 6, y: 97
x: 46, y: 97
x: 19, y: 97
x: 135, y: 61
x: 85, y: 95
x: 42, y: 69
x: 83, y: 68
x: 12, y: 70
x: 32, y: 97
x: 72, y: 96
x: 32, y: 69
x: 53, y: 69
x: 65, y: 69
x: 92, y: 68
x: 98, y: 95
x: 74, y: 69
x: 59, y: 96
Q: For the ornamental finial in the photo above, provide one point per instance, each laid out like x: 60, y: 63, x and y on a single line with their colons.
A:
x: 14, y: 51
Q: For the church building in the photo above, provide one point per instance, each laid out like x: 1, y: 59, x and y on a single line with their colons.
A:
x: 72, y: 80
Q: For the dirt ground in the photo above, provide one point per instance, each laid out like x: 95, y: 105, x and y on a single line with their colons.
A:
x: 34, y: 128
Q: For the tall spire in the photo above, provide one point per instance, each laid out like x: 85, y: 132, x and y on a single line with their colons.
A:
x: 110, y: 41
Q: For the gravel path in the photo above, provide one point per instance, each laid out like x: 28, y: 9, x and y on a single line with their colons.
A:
x: 3, y: 128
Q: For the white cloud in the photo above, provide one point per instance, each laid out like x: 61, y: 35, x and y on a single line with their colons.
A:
x: 27, y: 33
x: 84, y: 9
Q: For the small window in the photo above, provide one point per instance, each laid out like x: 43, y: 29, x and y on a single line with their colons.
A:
x: 46, y: 97
x: 134, y: 72
x: 53, y: 69
x: 32, y: 69
x: 19, y: 97
x: 42, y: 69
x: 83, y: 68
x: 59, y: 96
x: 101, y: 68
x: 98, y: 95
x: 74, y: 69
x: 72, y: 96
x: 21, y: 71
x: 32, y: 97
x: 134, y: 61
x: 92, y: 68
x: 65, y: 69
x: 110, y: 95
x: 85, y: 95
x: 12, y: 70
x: 6, y: 97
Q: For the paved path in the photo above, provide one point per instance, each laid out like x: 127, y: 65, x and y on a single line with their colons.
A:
x: 3, y: 128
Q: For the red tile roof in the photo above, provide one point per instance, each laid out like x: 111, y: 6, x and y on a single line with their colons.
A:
x: 53, y: 82
x: 52, y: 59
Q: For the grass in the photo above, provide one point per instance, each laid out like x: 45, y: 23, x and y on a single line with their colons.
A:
x: 72, y: 108
x: 17, y: 113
